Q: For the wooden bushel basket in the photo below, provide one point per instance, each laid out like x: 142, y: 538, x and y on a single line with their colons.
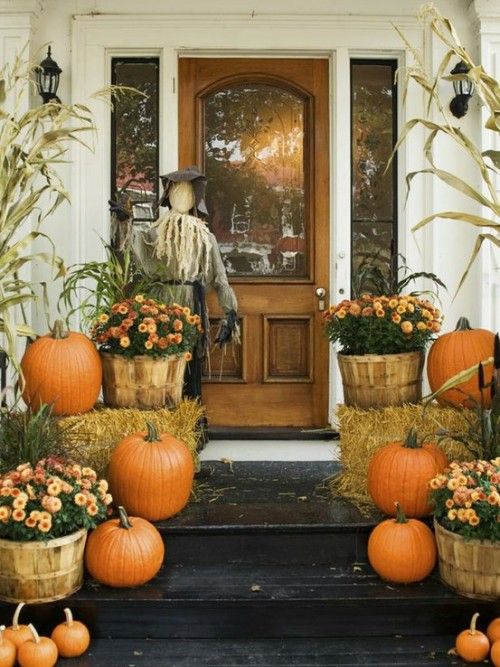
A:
x: 380, y: 380
x: 142, y: 382
x: 38, y: 571
x: 470, y: 567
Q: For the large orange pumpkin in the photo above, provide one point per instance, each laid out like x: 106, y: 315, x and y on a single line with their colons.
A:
x: 62, y: 369
x: 151, y: 475
x: 124, y: 552
x: 402, y: 550
x: 401, y: 471
x: 457, y: 351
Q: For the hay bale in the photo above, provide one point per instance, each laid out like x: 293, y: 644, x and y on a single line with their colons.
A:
x: 96, y: 433
x: 362, y: 432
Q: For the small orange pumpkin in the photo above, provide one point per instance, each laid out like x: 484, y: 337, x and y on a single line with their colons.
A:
x: 402, y: 550
x: 7, y: 650
x: 18, y: 634
x: 454, y: 352
x: 493, y: 630
x: 37, y: 651
x: 151, y: 475
x: 495, y: 653
x: 62, y: 369
x: 72, y: 638
x: 124, y: 552
x: 472, y: 645
x: 401, y: 471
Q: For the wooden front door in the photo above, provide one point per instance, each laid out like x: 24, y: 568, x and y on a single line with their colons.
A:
x: 259, y: 130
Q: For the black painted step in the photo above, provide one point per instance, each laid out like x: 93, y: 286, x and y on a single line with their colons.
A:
x: 267, y: 512
x: 395, y: 651
x: 242, y: 601
x: 270, y: 433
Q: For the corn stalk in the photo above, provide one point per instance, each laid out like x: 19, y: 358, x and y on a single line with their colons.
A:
x: 487, y: 163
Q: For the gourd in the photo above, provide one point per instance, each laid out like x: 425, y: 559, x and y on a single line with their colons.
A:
x: 472, y: 645
x: 7, y: 650
x: 72, y: 638
x: 18, y: 634
x: 151, y: 475
x: 454, y: 352
x: 493, y: 630
x: 495, y: 653
x: 37, y: 651
x: 123, y: 552
x: 402, y: 550
x: 62, y: 369
x: 400, y: 472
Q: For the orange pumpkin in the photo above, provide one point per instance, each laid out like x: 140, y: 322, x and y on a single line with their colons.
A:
x: 18, y: 634
x: 454, y: 352
x: 63, y: 369
x: 124, y: 552
x: 493, y: 630
x: 400, y: 472
x: 472, y: 645
x: 151, y: 475
x: 7, y: 650
x: 72, y: 638
x: 495, y: 653
x: 37, y: 651
x: 402, y: 550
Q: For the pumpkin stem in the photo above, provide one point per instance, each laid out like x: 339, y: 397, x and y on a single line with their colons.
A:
x: 69, y: 616
x: 473, y: 622
x: 124, y: 520
x: 400, y: 515
x: 58, y: 331
x: 35, y: 634
x: 152, y: 434
x: 2, y: 630
x: 463, y: 324
x: 411, y: 441
x: 15, y: 618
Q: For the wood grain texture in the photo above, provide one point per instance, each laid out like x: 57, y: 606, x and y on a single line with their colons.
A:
x: 288, y: 348
x: 259, y: 402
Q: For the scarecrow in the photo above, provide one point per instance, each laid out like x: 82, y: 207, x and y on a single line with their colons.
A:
x: 181, y: 257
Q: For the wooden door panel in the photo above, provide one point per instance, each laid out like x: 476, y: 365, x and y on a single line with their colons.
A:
x: 276, y: 247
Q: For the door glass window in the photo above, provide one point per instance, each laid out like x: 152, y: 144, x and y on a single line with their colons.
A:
x: 374, y: 196
x: 256, y: 191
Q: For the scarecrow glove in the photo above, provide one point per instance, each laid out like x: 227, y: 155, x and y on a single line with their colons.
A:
x: 227, y: 328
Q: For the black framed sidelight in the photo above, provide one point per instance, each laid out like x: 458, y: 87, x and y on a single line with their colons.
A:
x: 135, y: 126
x: 374, y: 191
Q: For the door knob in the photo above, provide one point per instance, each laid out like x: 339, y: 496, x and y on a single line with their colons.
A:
x: 321, y: 293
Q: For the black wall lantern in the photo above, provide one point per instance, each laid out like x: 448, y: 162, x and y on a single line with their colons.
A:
x: 47, y: 79
x: 464, y: 89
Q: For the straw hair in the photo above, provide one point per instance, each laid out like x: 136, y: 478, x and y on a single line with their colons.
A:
x: 100, y: 430
x: 363, y: 432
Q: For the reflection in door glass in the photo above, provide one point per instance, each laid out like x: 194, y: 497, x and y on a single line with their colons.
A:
x: 254, y: 162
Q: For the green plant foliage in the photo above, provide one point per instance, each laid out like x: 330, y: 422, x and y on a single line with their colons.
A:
x: 486, y: 163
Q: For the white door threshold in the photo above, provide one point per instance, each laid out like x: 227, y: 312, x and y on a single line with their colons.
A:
x: 271, y: 450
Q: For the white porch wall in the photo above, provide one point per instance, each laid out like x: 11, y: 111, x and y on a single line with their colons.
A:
x: 443, y: 248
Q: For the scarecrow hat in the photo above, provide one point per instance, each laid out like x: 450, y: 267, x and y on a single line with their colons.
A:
x: 198, y: 180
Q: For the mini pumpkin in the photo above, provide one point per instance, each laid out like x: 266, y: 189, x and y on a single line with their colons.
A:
x: 37, y: 651
x: 402, y: 550
x: 151, y: 475
x: 62, y: 369
x: 7, y: 650
x: 493, y: 630
x: 495, y: 653
x: 72, y: 638
x: 124, y: 552
x: 457, y: 351
x: 18, y: 634
x: 472, y: 645
x: 401, y: 472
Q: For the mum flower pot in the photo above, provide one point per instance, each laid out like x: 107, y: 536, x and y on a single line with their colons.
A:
x: 380, y: 380
x: 40, y: 571
x: 469, y: 567
x: 142, y: 382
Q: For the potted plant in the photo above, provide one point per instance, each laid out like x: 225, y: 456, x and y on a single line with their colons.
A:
x: 382, y: 341
x: 144, y: 345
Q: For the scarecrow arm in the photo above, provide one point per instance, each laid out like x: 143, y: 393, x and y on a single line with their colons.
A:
x: 225, y: 295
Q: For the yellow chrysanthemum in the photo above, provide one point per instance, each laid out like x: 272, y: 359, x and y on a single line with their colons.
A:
x: 148, y: 345
x: 124, y: 341
x: 103, y: 318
